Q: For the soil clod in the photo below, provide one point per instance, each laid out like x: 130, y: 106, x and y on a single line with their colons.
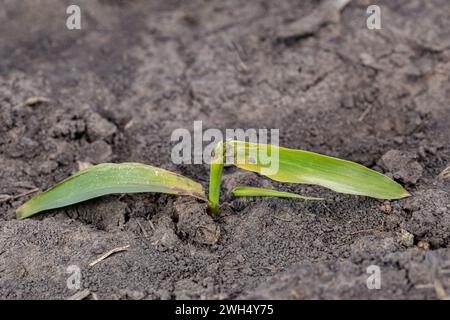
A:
x: 402, y: 165
x: 193, y: 223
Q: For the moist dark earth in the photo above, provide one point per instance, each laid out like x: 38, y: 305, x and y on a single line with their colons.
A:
x: 115, y: 90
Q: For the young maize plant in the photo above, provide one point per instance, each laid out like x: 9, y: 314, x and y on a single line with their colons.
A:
x: 292, y: 166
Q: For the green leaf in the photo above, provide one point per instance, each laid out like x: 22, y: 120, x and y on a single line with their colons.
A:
x: 298, y: 166
x: 259, y: 192
x: 109, y: 178
x: 215, y: 177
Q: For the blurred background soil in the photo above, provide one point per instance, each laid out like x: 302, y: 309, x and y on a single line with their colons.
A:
x: 115, y: 91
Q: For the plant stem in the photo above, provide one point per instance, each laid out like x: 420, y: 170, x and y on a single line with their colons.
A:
x: 215, y: 178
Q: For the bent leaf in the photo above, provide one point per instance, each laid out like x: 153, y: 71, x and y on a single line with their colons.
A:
x: 297, y: 166
x: 260, y: 192
x: 109, y: 178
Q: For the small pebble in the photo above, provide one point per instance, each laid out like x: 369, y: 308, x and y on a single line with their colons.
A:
x: 406, y: 238
x: 386, y: 207
x: 423, y: 245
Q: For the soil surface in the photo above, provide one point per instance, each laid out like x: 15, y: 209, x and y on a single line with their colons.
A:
x: 115, y: 91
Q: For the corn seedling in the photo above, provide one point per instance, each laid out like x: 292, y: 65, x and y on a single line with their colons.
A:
x: 293, y: 166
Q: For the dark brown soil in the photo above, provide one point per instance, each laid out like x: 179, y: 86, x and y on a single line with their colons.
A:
x: 140, y: 69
